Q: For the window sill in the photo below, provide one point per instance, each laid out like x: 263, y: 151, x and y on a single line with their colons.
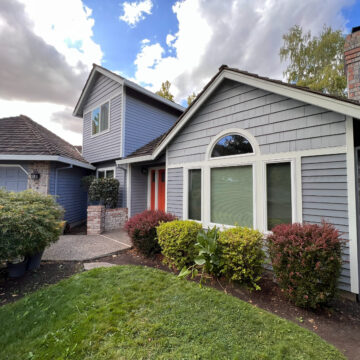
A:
x: 100, y: 133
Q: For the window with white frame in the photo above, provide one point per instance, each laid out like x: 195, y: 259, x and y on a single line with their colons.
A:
x: 194, y: 194
x: 100, y: 119
x: 233, y: 144
x: 232, y: 195
x: 106, y: 173
x: 278, y: 190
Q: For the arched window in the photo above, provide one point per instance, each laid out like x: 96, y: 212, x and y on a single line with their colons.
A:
x: 232, y: 145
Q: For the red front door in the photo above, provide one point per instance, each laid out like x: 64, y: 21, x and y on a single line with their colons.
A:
x: 157, y: 189
x: 161, y: 190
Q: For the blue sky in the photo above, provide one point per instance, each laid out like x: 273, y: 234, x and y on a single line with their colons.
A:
x: 51, y: 46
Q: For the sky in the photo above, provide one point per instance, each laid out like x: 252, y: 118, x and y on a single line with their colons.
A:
x: 49, y: 46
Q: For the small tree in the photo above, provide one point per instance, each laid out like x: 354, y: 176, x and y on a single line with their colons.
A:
x: 165, y: 91
x: 105, y: 190
x: 191, y: 98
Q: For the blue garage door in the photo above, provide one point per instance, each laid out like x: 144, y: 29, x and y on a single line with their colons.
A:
x: 13, y: 178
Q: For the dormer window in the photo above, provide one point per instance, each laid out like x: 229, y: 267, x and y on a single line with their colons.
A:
x: 100, y: 119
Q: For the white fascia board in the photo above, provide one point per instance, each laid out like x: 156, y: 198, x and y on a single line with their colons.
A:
x: 134, y: 160
x: 146, y: 92
x: 62, y: 159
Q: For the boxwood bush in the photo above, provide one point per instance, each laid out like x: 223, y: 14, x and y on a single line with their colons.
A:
x: 242, y: 255
x: 177, y: 240
x: 306, y: 259
x: 29, y: 222
x: 105, y: 191
x: 142, y: 230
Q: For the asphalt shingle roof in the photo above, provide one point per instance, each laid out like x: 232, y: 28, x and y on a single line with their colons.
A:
x: 19, y: 135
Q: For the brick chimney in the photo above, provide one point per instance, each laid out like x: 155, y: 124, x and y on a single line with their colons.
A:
x: 352, y: 63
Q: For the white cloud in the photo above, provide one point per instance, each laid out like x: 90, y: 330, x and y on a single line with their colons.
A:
x: 244, y: 34
x: 49, y: 53
x: 135, y: 11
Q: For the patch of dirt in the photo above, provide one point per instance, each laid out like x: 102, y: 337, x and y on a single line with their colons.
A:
x: 338, y: 324
x: 48, y: 273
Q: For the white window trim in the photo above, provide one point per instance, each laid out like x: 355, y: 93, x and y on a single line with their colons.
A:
x: 105, y: 170
x: 294, y: 217
x: 186, y: 190
x: 91, y: 117
x: 156, y: 168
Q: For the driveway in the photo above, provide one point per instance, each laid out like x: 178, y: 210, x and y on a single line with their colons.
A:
x: 87, y: 247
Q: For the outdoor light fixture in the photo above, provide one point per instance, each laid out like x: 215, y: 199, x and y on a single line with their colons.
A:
x: 144, y: 170
x: 35, y: 175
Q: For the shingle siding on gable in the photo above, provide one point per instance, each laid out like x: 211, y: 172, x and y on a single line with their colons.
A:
x: 104, y: 146
x: 143, y: 123
x: 324, y: 196
x: 279, y: 124
x: 175, y: 186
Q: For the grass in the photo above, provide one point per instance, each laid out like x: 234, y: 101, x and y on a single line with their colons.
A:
x: 132, y: 312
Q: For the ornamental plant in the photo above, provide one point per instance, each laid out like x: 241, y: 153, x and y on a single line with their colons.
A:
x: 177, y: 240
x: 105, y: 191
x: 242, y: 255
x: 29, y: 222
x: 306, y: 259
x: 142, y: 230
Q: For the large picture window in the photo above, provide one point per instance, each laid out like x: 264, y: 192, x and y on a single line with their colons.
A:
x: 194, y: 194
x: 278, y: 186
x: 232, y: 145
x: 232, y: 196
x: 100, y: 119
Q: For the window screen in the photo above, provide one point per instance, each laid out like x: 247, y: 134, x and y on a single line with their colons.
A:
x: 195, y: 194
x: 278, y: 185
x: 232, y: 196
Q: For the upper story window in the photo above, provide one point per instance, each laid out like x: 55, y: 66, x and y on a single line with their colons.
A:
x: 106, y: 173
x: 100, y: 119
x: 232, y: 145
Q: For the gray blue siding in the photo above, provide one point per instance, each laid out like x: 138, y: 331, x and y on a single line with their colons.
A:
x: 279, y: 124
x: 175, y: 187
x: 70, y: 194
x: 143, y: 123
x: 104, y: 146
x: 324, y: 193
x: 139, y: 185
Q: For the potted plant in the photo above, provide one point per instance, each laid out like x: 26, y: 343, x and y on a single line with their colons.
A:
x: 17, y: 266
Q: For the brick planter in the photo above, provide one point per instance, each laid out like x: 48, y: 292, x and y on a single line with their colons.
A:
x: 100, y: 219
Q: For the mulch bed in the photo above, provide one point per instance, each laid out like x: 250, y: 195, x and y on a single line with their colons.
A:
x: 338, y: 324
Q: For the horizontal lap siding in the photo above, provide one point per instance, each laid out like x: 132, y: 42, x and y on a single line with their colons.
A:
x: 175, y: 185
x: 324, y: 191
x: 139, y: 183
x: 103, y: 146
x: 144, y: 123
x: 279, y: 124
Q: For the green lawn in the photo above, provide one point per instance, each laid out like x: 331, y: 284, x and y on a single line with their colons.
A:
x: 132, y: 312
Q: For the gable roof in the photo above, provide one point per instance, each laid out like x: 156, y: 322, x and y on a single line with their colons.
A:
x: 97, y: 69
x: 23, y: 139
x: 330, y: 102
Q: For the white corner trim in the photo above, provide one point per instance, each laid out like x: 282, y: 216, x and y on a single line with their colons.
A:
x: 233, y: 131
x: 352, y: 210
x: 128, y: 186
x: 62, y: 159
x: 123, y: 125
x: 15, y: 165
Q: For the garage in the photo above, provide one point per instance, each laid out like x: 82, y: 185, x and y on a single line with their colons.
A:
x: 13, y: 178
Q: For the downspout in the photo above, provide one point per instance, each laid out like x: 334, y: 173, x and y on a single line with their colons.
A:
x: 56, y: 176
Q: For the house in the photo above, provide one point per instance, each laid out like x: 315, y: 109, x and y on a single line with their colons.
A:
x: 249, y: 150
x: 32, y: 157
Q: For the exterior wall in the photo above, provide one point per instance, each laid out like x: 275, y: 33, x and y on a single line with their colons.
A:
x: 107, y: 145
x: 143, y: 123
x: 324, y: 189
x: 175, y: 191
x: 279, y: 124
x: 139, y: 191
x: 66, y: 185
x: 41, y: 185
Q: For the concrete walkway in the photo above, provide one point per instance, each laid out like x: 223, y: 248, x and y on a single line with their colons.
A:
x: 84, y: 247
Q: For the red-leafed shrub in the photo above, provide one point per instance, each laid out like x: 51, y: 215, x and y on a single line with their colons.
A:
x: 142, y: 230
x: 307, y: 261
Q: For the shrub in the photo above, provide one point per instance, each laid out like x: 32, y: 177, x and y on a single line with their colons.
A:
x: 242, y: 256
x: 177, y: 240
x: 86, y: 181
x: 307, y: 261
x: 142, y: 230
x: 29, y: 222
x: 104, y: 190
